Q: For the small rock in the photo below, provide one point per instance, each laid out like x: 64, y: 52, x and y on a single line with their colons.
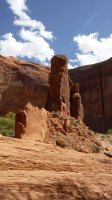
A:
x: 109, y: 154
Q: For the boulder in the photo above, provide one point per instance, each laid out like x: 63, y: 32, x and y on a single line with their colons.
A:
x: 31, y: 123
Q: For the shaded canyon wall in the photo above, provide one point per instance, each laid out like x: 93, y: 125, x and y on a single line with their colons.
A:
x: 96, y: 90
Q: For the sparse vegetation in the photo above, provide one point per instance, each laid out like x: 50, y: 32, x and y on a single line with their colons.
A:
x: 107, y: 136
x: 109, y: 131
x: 74, y: 122
x: 7, y: 123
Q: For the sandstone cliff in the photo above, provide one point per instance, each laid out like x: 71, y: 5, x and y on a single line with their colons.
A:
x: 21, y: 82
x: 96, y: 90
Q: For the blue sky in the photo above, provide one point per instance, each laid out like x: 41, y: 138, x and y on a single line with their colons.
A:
x: 35, y: 30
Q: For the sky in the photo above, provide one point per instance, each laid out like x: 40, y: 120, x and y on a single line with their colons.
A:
x: 36, y: 30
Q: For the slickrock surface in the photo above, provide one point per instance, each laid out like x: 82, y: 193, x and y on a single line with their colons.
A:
x: 38, y: 171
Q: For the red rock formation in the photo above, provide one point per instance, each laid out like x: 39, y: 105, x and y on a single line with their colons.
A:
x: 37, y: 124
x: 59, y: 83
x: 77, y: 110
x: 31, y: 123
x: 66, y: 131
x: 22, y: 82
x: 96, y: 90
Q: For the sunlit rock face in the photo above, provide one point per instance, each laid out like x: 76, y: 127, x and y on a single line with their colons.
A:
x: 31, y: 123
x: 22, y: 82
x: 59, y: 84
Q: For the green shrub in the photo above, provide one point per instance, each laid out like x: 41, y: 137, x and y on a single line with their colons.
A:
x: 7, y: 124
x: 109, y: 131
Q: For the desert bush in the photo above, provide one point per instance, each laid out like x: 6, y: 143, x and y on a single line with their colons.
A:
x: 109, y: 131
x: 7, y: 124
x: 74, y: 122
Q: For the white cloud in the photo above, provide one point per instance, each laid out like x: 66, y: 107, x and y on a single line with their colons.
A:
x: 22, y: 19
x: 36, y: 47
x: 33, y: 36
x: 18, y: 7
x: 8, y: 44
x: 92, y: 48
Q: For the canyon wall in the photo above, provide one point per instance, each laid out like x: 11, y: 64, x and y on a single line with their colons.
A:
x: 22, y: 82
x: 96, y: 90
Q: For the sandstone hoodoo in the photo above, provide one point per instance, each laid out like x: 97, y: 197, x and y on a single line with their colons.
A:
x: 77, y: 109
x: 59, y: 84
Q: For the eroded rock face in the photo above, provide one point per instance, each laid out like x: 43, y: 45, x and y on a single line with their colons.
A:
x: 22, y: 82
x: 31, y: 123
x: 38, y: 124
x: 96, y: 90
x: 59, y: 84
x: 66, y: 131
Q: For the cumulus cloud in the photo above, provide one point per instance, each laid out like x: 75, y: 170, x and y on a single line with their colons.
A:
x: 22, y: 19
x: 92, y: 48
x: 34, y: 39
x: 36, y: 47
